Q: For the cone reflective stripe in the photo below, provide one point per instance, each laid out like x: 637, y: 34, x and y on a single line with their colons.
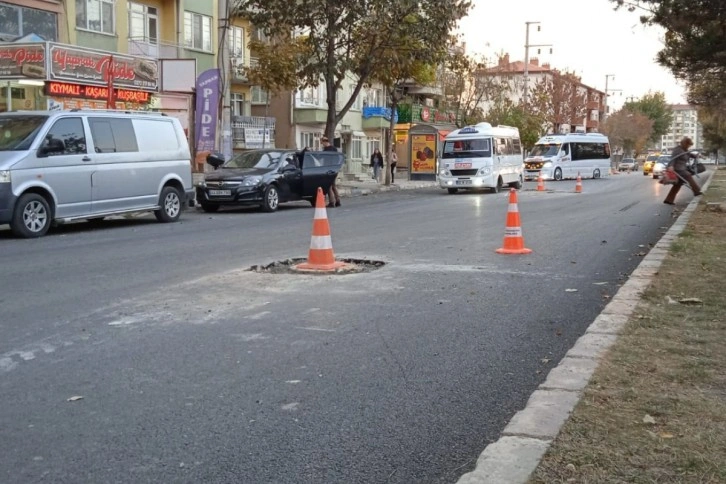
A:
x: 578, y: 184
x: 513, y: 239
x: 540, y: 183
x: 320, y: 255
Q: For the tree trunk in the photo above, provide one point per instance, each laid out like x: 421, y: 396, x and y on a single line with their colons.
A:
x: 392, y: 135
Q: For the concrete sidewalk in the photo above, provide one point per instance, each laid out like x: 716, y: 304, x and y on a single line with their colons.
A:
x: 348, y: 188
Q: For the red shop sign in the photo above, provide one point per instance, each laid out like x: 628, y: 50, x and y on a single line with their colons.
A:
x: 22, y: 61
x: 66, y: 89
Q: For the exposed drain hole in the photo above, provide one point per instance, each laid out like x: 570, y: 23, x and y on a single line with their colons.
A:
x: 287, y: 266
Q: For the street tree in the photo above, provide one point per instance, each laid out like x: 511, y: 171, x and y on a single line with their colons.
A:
x: 509, y: 114
x: 331, y: 40
x: 559, y: 99
x: 628, y: 130
x: 654, y: 106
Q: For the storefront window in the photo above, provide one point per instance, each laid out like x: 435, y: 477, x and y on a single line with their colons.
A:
x: 18, y: 21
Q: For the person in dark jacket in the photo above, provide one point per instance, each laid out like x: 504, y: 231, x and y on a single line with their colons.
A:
x: 680, y: 156
x: 376, y: 163
x: 333, y: 196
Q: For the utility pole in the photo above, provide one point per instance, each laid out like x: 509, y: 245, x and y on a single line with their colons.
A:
x: 525, y: 95
x: 225, y: 66
x: 605, y: 113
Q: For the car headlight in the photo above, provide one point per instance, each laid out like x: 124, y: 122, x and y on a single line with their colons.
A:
x: 444, y: 173
x: 202, y: 184
x: 4, y: 176
x: 251, y: 181
x: 547, y: 165
x: 485, y: 171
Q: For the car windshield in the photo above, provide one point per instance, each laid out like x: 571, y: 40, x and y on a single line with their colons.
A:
x: 651, y: 158
x: 663, y: 159
x: 255, y: 159
x: 628, y: 160
x: 467, y: 148
x: 18, y: 132
x: 545, y: 150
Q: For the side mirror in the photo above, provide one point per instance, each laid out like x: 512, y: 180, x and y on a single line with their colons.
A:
x: 215, y: 159
x: 52, y: 145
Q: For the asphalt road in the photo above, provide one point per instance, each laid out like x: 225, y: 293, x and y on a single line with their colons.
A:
x: 193, y: 369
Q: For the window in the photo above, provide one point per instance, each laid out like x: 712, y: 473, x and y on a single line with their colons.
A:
x: 237, y: 42
x: 372, y: 144
x: 143, y: 23
x: 18, y: 21
x: 113, y: 135
x: 566, y: 148
x: 17, y: 93
x: 95, y: 15
x: 517, y: 146
x: 585, y: 151
x: 356, y: 146
x: 259, y: 95
x: 238, y: 104
x: 309, y: 140
x: 70, y: 132
x: 310, y: 95
x: 468, y: 148
x: 374, y: 98
x: 198, y: 31
x: 501, y: 146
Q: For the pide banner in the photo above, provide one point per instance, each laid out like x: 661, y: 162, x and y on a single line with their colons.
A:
x: 86, y: 66
x: 65, y: 89
x: 205, y: 116
x: 18, y: 61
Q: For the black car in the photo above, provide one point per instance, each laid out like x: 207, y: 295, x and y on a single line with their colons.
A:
x: 267, y: 178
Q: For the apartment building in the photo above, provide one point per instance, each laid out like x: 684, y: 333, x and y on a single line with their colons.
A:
x: 684, y: 123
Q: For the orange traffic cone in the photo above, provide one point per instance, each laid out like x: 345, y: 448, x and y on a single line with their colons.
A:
x: 540, y: 183
x: 321, y: 256
x: 513, y: 240
x: 578, y: 184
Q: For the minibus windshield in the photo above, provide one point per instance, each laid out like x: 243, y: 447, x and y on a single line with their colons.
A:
x: 18, y: 132
x: 545, y: 150
x: 469, y: 148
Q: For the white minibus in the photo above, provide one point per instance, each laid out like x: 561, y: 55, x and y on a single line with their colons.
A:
x: 482, y: 156
x: 561, y: 156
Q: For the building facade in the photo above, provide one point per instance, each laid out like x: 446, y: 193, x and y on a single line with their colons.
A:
x: 684, y: 123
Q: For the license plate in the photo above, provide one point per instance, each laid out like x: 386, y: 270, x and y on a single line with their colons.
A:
x: 463, y: 182
x: 462, y: 165
x: 220, y: 193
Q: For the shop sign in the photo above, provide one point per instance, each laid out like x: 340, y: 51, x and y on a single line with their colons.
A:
x: 423, y: 153
x: 77, y: 65
x: 66, y: 89
x: 256, y: 138
x: 205, y: 116
x: 22, y: 61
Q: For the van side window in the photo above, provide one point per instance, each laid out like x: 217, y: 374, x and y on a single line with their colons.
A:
x: 70, y: 132
x: 566, y: 148
x: 501, y: 146
x: 112, y: 135
x: 517, y: 146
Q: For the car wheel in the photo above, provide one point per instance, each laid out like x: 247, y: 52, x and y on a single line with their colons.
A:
x: 645, y: 173
x: 31, y: 217
x: 596, y: 174
x: 518, y: 184
x: 452, y: 190
x: 210, y: 207
x: 171, y: 205
x: 655, y: 177
x: 498, y: 187
x: 558, y: 174
x: 271, y: 199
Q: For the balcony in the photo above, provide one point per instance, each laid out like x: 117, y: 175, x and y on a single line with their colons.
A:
x: 375, y: 117
x: 239, y: 69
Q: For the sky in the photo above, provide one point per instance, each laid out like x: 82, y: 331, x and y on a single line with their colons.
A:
x: 587, y: 37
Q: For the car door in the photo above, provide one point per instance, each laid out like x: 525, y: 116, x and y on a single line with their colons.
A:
x: 290, y: 181
x: 319, y: 170
x: 68, y: 170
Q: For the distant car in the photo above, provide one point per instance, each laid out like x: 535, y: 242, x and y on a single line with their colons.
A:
x: 648, y: 164
x: 628, y: 164
x: 660, y: 165
x: 267, y: 178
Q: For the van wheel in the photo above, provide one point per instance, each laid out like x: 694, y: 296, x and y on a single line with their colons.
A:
x: 210, y: 207
x: 558, y: 174
x: 171, y: 205
x: 518, y: 184
x: 31, y: 217
x: 596, y: 174
x: 271, y: 199
x: 452, y: 190
x: 498, y: 186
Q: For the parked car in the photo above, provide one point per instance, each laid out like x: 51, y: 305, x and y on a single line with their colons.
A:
x: 648, y: 164
x: 267, y: 178
x: 60, y: 166
x: 628, y: 164
x: 660, y: 165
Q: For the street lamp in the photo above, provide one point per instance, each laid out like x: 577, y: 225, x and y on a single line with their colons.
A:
x: 526, y: 59
x: 607, y: 78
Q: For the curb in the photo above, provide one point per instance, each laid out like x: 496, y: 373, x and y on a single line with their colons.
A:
x: 515, y: 456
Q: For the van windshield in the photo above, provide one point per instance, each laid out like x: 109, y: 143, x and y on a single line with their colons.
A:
x: 254, y: 159
x: 545, y: 150
x: 467, y: 148
x: 18, y: 132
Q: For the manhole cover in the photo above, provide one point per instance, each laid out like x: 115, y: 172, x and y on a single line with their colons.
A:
x: 351, y: 266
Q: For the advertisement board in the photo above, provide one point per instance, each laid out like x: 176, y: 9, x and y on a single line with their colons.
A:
x: 423, y: 153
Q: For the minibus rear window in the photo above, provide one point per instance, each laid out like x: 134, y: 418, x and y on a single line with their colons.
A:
x: 18, y: 132
x: 469, y: 148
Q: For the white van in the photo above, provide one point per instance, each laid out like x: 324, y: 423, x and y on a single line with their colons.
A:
x: 561, y: 156
x: 60, y: 166
x: 482, y: 156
